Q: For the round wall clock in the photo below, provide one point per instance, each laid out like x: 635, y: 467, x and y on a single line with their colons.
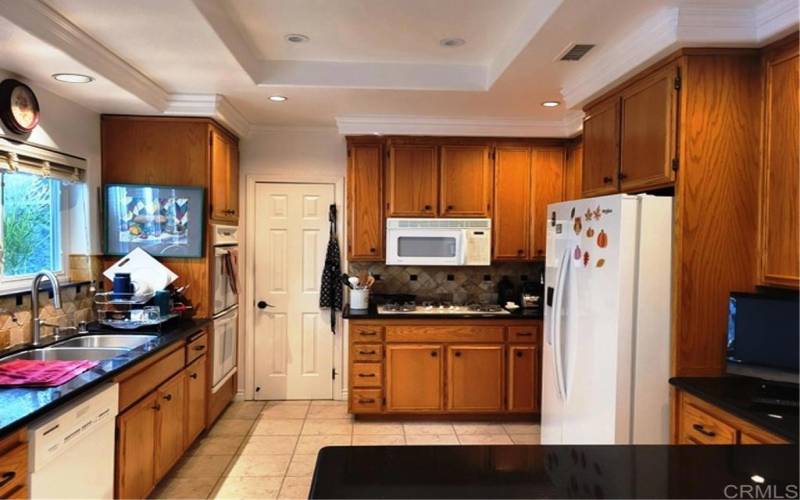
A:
x: 19, y: 108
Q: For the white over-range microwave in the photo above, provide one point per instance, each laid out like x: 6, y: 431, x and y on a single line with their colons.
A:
x: 438, y: 242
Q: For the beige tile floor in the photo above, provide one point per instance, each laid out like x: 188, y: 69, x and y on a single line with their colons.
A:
x: 268, y: 450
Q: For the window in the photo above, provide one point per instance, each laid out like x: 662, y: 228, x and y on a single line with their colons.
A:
x: 30, y: 206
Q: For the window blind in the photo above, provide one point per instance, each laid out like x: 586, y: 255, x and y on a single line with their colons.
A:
x: 31, y: 159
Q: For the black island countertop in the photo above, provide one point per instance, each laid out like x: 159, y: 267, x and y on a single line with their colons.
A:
x: 372, y: 313
x: 738, y: 396
x: 569, y: 471
x: 22, y: 405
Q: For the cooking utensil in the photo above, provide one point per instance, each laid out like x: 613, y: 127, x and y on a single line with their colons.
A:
x: 370, y: 281
x: 346, y: 281
x: 354, y: 281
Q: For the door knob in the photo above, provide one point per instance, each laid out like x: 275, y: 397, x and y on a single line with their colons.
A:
x: 262, y: 304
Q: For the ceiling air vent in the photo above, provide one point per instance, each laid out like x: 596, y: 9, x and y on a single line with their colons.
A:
x: 575, y: 51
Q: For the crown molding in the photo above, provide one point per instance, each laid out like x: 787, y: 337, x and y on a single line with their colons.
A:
x: 46, y: 24
x: 651, y: 40
x: 210, y: 105
x: 776, y: 18
x: 451, y: 126
x: 277, y: 129
x: 675, y: 27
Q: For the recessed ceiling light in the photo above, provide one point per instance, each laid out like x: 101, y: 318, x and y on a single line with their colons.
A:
x: 296, y: 38
x: 277, y: 98
x: 72, y: 78
x: 452, y: 42
x: 551, y: 104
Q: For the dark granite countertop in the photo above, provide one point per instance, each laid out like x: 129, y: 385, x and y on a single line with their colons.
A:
x: 503, y: 471
x: 372, y: 313
x: 21, y: 405
x: 736, y: 395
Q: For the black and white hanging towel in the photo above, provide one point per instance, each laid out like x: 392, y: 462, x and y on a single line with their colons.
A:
x: 330, y: 294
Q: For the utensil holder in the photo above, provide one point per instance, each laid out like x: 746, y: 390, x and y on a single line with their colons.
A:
x: 359, y: 298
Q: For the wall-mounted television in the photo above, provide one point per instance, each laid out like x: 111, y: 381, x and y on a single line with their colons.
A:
x: 165, y: 221
x: 763, y: 332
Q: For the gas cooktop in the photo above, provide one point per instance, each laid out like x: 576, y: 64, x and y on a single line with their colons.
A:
x: 441, y: 308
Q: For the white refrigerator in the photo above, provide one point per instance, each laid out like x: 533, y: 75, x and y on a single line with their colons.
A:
x: 606, y: 353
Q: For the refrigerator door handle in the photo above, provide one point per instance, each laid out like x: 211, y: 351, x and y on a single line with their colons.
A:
x: 556, y: 328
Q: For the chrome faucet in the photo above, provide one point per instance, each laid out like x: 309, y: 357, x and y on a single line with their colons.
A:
x: 39, y: 323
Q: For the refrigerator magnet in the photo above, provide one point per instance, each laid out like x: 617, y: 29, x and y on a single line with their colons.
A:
x: 602, y: 239
x: 588, y: 214
x: 578, y: 253
x: 601, y: 262
x: 590, y: 233
x: 597, y: 213
x: 577, y: 226
x: 585, y: 259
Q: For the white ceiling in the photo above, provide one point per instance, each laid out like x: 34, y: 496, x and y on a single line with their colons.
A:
x: 373, y: 65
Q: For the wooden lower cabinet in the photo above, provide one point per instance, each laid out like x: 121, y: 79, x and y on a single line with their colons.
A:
x: 700, y: 422
x: 155, y: 431
x: 196, y: 398
x: 524, y: 376
x: 414, y: 375
x: 136, y: 445
x: 439, y: 367
x: 14, y: 465
x: 475, y: 378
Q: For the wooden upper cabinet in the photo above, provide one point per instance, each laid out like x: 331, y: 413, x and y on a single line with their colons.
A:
x: 648, y: 131
x: 601, y: 148
x: 475, y: 378
x: 412, y: 180
x: 548, y: 187
x: 414, y: 376
x: 780, y: 195
x: 136, y: 438
x: 224, y: 191
x: 524, y: 371
x: 573, y: 170
x: 365, y: 234
x: 512, y: 194
x: 170, y: 421
x: 465, y: 181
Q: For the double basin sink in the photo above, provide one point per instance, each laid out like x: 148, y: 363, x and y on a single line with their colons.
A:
x: 85, y: 347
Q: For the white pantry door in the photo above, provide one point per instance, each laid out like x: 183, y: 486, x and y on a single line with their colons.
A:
x: 294, y: 349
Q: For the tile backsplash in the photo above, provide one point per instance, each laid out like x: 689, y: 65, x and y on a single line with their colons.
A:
x: 459, y: 285
x: 76, y: 304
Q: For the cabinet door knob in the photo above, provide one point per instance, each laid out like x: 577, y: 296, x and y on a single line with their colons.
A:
x: 366, y: 401
x: 193, y: 375
x: 156, y: 407
x: 699, y: 428
x: 199, y: 347
x: 539, y: 251
x: 369, y: 334
x: 520, y: 252
x: 168, y: 397
x: 524, y: 334
x: 607, y: 180
x: 427, y: 207
x: 366, y: 375
x: 372, y: 250
x: 367, y: 353
x: 622, y: 176
x: 520, y: 354
x: 7, y: 477
x: 458, y: 354
x: 434, y: 354
x: 450, y: 207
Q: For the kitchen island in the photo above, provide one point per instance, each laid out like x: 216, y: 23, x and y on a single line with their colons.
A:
x: 556, y: 472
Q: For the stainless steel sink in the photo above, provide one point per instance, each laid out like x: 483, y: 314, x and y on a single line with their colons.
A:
x: 68, y: 354
x: 122, y: 341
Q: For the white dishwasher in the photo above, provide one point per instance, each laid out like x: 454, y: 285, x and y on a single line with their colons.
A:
x: 72, y: 450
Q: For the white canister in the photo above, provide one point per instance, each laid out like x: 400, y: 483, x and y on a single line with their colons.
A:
x: 359, y: 298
